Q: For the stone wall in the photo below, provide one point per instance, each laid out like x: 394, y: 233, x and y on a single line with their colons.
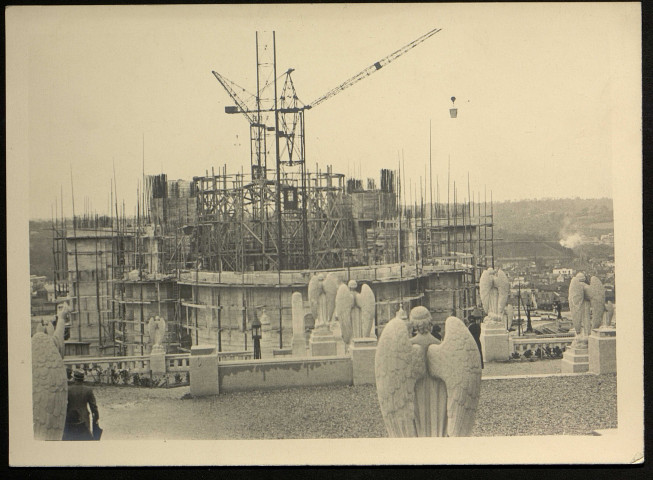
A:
x: 284, y: 373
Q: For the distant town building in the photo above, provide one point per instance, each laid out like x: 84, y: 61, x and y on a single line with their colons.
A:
x: 49, y: 290
x: 36, y: 283
x: 563, y: 271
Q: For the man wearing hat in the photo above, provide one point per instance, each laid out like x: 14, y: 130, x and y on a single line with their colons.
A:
x: 78, y: 425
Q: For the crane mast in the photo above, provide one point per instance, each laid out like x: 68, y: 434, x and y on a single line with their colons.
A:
x: 289, y: 131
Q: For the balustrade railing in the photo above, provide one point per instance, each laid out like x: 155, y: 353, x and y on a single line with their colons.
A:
x: 131, y: 370
x: 522, y: 345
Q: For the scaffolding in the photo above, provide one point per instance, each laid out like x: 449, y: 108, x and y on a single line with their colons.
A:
x: 204, y: 255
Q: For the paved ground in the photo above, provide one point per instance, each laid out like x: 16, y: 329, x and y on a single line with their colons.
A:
x: 533, y: 406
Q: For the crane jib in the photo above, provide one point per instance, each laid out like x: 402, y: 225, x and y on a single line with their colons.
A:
x: 378, y: 65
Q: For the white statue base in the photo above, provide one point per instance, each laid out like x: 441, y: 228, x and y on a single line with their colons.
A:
x: 602, y: 347
x: 576, y: 357
x: 158, y: 360
x: 495, y: 342
x: 322, y: 342
x: 363, y: 351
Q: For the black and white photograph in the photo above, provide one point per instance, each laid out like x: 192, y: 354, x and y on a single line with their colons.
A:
x: 324, y: 234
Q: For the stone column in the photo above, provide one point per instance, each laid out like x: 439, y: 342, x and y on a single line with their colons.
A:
x: 298, y: 329
x: 363, y: 351
x: 204, y: 379
x: 494, y: 341
x: 602, y: 347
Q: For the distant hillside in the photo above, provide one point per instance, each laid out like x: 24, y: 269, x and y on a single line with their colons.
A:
x: 552, y: 219
x: 531, y: 249
x: 543, y: 223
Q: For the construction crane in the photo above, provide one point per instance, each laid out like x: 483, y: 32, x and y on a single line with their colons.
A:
x: 373, y: 68
x: 289, y: 126
x: 290, y: 104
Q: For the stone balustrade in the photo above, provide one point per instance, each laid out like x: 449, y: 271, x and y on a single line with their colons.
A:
x: 231, y: 356
x: 522, y: 344
x: 134, y: 364
x: 177, y: 362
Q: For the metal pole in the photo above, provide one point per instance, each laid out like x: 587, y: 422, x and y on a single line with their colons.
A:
x: 77, y: 279
x: 97, y: 292
x: 431, y: 188
x: 278, y: 159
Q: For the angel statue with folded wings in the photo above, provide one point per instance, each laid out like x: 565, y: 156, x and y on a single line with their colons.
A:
x: 587, y: 305
x: 427, y: 388
x: 355, y: 311
x: 494, y: 288
x: 322, y: 297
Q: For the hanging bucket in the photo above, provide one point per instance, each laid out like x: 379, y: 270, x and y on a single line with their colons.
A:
x: 453, y: 112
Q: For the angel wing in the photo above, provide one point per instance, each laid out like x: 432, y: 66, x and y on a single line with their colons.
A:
x: 503, y: 286
x: 314, y: 290
x: 367, y: 303
x: 331, y: 285
x: 344, y: 304
x: 596, y: 292
x: 457, y: 362
x: 485, y: 285
x: 397, y: 366
x: 49, y: 388
x: 576, y: 299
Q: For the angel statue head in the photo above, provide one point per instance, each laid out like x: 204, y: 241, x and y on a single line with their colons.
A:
x: 420, y: 319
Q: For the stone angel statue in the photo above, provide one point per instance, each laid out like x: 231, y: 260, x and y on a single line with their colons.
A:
x: 49, y: 378
x: 494, y: 288
x: 427, y: 387
x: 355, y: 311
x: 587, y: 304
x: 156, y: 327
x: 321, y: 297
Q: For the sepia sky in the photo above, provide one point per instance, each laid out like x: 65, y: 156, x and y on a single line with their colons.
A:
x: 537, y: 88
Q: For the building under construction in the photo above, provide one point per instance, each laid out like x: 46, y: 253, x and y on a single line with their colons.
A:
x: 205, y: 256
x: 212, y: 253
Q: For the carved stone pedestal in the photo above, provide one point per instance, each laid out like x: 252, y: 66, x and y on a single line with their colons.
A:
x: 158, y: 360
x: 494, y: 342
x: 363, y: 351
x: 575, y: 359
x: 322, y: 342
x: 602, y: 346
